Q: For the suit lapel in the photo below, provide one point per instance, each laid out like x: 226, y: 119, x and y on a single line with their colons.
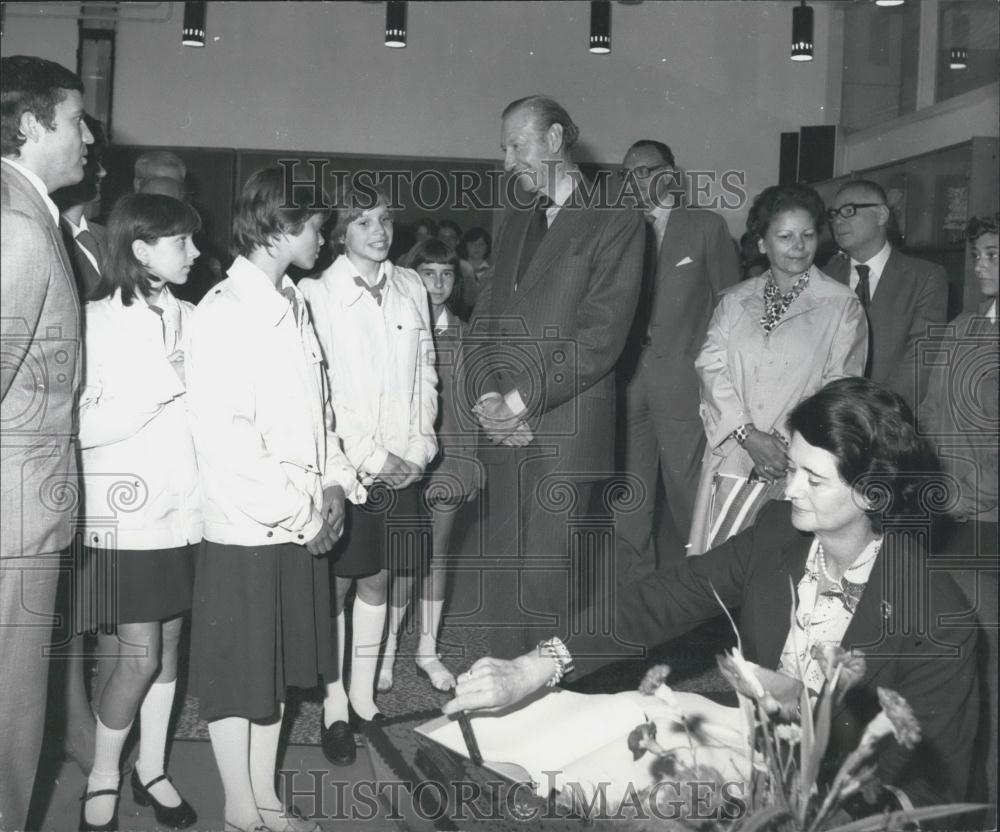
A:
x: 567, y: 223
x: 675, y: 238
x: 885, y: 305
x: 774, y: 601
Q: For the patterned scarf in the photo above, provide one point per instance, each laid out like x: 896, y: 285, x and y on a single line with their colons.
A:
x: 775, y: 303
x: 823, y: 617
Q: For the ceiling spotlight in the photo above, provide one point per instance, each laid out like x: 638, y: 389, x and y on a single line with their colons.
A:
x: 888, y: 3
x: 395, y: 24
x: 959, y: 58
x: 193, y: 33
x: 802, y: 33
x: 600, y: 27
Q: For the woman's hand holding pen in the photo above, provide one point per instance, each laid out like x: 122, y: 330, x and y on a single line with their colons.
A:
x: 491, y: 684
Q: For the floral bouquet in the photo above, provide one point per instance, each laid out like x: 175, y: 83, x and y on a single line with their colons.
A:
x: 788, y: 733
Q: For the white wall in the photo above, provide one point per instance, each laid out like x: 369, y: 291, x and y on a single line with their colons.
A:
x: 712, y: 79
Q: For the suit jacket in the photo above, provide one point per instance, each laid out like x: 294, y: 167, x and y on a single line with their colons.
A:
x: 556, y: 338
x: 40, y: 337
x: 911, y: 294
x: 681, y: 287
x: 87, y: 277
x: 906, y: 645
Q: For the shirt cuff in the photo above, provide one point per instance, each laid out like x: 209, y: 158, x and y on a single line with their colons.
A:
x: 514, y: 401
x: 311, y: 529
x: 487, y: 397
x: 376, y: 461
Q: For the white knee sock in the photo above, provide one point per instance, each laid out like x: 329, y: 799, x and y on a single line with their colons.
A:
x: 396, y: 616
x: 335, y: 702
x: 154, y: 719
x: 366, y: 636
x: 105, y: 774
x: 263, y: 760
x: 430, y: 623
x: 231, y: 746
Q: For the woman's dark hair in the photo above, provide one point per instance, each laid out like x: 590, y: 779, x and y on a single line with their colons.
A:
x: 777, y: 199
x: 431, y: 251
x: 977, y: 226
x: 268, y: 206
x: 869, y: 430
x: 353, y: 202
x: 472, y: 235
x: 146, y: 217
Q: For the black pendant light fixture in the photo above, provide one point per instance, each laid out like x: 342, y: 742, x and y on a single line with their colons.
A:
x: 802, y: 33
x: 958, y: 57
x: 395, y: 24
x: 193, y: 33
x: 600, y: 27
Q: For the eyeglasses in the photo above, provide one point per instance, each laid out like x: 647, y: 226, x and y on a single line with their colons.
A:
x: 849, y: 209
x: 641, y: 171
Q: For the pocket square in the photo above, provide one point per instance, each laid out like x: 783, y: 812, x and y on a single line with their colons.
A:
x: 685, y: 261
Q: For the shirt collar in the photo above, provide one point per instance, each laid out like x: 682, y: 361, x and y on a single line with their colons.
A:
x: 877, y: 263
x: 38, y: 185
x: 255, y: 288
x: 341, y: 279
x: 76, y: 230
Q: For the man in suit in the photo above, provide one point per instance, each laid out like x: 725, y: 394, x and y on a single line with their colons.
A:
x: 690, y: 259
x: 154, y: 164
x: 86, y: 241
x: 901, y: 294
x: 44, y: 146
x: 544, y: 339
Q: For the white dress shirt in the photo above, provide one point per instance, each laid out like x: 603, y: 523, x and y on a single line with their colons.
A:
x: 260, y: 413
x: 380, y: 363
x: 876, y: 265
x: 137, y: 458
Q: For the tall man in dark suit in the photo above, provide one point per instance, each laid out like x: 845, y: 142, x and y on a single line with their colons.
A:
x: 690, y: 259
x: 44, y: 145
x: 545, y: 336
x: 902, y: 295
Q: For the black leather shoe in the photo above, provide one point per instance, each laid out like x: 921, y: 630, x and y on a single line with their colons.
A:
x: 111, y: 825
x: 176, y: 817
x: 338, y: 743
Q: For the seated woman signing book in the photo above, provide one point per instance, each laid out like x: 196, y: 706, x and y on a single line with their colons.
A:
x: 848, y: 550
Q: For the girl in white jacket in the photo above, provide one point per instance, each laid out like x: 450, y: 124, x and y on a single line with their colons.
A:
x: 141, y: 494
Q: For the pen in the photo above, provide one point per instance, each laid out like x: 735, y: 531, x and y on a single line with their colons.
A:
x: 470, y: 738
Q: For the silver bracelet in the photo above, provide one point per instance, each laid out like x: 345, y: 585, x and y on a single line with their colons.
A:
x: 555, y: 649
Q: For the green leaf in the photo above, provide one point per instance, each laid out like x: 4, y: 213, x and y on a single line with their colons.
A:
x: 886, y: 821
x: 821, y: 738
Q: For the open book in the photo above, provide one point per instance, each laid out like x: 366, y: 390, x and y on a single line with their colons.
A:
x: 578, y: 744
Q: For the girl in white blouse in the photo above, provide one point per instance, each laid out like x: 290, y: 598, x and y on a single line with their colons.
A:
x: 141, y: 493
x: 373, y: 323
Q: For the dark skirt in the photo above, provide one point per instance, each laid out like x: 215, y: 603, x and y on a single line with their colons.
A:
x: 392, y: 530
x: 133, y: 586
x: 260, y: 623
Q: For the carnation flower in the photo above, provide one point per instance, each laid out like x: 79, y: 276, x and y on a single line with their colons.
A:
x: 790, y: 732
x: 896, y: 717
x: 655, y: 676
x: 829, y: 656
x: 642, y: 738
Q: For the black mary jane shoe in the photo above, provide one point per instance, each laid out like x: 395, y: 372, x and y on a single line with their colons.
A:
x: 112, y: 823
x: 176, y: 817
x: 338, y: 743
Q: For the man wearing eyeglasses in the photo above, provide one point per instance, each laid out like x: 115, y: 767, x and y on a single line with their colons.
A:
x: 690, y: 258
x: 902, y: 294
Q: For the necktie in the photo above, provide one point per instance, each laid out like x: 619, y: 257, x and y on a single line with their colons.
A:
x: 863, y: 289
x: 375, y: 291
x: 289, y: 294
x: 538, y: 224
x: 88, y: 241
x: 163, y: 324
